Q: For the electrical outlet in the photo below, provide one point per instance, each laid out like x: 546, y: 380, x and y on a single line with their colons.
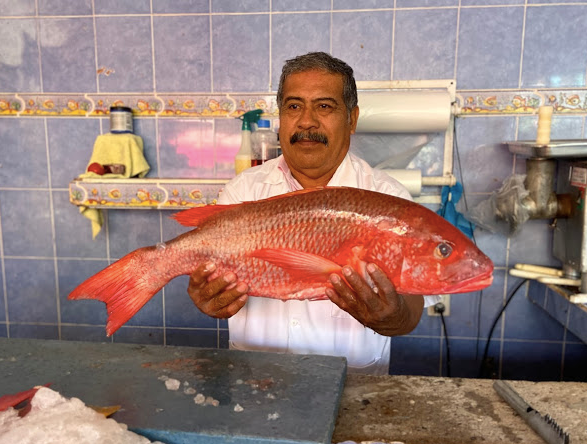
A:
x: 445, y: 299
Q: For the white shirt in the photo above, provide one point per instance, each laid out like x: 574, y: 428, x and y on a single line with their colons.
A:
x: 308, y: 327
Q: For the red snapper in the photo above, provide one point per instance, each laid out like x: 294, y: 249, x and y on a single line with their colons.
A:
x: 287, y: 246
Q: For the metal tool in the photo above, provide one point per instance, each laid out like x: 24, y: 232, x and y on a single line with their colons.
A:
x: 545, y: 426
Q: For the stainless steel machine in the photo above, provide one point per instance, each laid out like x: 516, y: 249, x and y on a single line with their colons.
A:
x: 570, y: 235
x: 556, y: 179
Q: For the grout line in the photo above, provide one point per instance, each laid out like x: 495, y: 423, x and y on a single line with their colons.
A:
x: 270, y: 86
x: 393, y: 31
x: 211, y: 46
x: 153, y: 49
x: 457, y: 31
x: 331, y: 13
x: 40, y: 57
x: 522, y: 45
x: 53, y: 234
x: 95, y: 47
x: 184, y: 14
x: 526, y: 89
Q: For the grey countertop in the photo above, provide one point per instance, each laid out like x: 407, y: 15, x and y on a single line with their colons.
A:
x: 430, y: 410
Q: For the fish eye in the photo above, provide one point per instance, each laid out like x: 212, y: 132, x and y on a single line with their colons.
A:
x: 443, y: 250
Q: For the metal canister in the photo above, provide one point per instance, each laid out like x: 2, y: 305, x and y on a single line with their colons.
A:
x: 120, y: 120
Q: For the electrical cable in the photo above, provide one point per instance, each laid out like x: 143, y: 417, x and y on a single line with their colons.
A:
x: 508, y: 300
x: 446, y: 342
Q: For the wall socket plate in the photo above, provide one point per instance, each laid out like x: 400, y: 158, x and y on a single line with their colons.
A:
x: 445, y: 299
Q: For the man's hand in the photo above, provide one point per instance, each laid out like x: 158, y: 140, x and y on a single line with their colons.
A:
x: 382, y: 310
x: 215, y: 295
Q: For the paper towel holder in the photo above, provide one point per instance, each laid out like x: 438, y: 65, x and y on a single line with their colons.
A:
x: 444, y: 91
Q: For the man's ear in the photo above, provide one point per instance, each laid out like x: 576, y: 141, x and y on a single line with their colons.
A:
x: 354, y: 119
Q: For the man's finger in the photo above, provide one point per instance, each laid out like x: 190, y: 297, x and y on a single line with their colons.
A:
x: 226, y: 298
x: 384, y: 285
x: 201, y: 274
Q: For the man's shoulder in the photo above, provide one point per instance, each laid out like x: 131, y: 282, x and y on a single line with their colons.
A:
x: 376, y: 179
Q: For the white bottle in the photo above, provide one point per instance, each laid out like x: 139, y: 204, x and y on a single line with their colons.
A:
x: 264, y: 145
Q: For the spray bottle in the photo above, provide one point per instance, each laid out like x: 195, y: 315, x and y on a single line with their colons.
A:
x: 242, y: 160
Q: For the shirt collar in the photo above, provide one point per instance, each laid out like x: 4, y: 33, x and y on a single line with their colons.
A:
x: 343, y: 174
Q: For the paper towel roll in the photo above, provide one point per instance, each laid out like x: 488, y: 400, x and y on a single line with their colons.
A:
x: 411, y: 179
x: 419, y: 111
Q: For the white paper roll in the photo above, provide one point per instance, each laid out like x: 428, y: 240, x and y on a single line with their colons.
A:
x: 411, y: 179
x: 421, y: 111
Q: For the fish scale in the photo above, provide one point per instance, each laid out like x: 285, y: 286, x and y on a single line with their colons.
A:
x: 286, y: 247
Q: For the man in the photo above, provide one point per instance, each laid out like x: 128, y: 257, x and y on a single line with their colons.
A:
x: 317, y: 99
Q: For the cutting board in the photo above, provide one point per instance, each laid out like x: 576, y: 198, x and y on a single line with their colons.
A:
x: 253, y: 397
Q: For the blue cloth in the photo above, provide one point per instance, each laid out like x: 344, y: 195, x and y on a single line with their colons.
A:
x: 449, y: 198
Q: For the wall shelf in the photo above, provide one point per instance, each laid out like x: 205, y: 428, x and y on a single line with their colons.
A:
x: 147, y: 193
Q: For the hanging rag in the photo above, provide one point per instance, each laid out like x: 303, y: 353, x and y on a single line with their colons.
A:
x: 449, y: 198
x: 114, y: 149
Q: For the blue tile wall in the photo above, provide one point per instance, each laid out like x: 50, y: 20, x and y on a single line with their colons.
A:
x: 65, y: 7
x: 181, y: 6
x: 240, y: 52
x: 553, y: 27
x: 364, y: 54
x: 429, y: 54
x: 19, y: 66
x: 200, y: 47
x: 485, y: 62
x: 293, y: 34
x: 301, y: 5
x: 187, y: 68
x: 67, y: 54
x: 124, y: 46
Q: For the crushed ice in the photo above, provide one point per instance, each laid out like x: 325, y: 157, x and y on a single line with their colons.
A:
x: 53, y: 418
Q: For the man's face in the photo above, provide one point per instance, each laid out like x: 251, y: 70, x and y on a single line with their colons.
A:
x: 315, y: 129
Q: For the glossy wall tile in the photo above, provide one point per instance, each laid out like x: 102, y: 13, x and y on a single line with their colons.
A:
x: 190, y: 68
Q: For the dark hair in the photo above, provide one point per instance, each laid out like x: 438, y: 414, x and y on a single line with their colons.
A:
x: 324, y: 62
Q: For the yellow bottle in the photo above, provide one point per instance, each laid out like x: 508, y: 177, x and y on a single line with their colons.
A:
x: 242, y: 161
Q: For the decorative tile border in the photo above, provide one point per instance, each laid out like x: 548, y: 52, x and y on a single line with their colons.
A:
x: 55, y: 105
x: 233, y: 105
x: 141, y: 105
x: 10, y: 105
x: 521, y: 102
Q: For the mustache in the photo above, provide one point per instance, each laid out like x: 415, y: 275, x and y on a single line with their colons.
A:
x: 307, y: 135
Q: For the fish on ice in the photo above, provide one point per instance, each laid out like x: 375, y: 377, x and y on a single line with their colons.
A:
x: 287, y: 246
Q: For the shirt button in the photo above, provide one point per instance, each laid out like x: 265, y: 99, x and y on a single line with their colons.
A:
x: 295, y: 322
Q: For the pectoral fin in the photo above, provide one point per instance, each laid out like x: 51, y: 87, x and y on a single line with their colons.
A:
x: 298, y: 263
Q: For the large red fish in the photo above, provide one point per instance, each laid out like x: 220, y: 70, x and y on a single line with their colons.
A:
x: 286, y: 247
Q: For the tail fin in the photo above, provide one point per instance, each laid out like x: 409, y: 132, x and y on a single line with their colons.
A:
x: 125, y: 286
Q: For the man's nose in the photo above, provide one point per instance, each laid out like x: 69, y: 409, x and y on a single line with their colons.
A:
x: 308, y: 118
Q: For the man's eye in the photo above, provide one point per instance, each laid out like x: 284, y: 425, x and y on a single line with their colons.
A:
x: 294, y: 106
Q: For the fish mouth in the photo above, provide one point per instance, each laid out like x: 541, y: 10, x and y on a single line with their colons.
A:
x: 472, y: 284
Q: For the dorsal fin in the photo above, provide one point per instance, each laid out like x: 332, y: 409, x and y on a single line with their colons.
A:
x: 194, y: 217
